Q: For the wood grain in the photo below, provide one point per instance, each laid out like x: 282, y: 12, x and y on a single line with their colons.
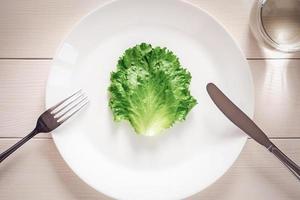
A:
x: 34, y: 29
x: 30, y: 32
x: 22, y: 89
x: 257, y: 175
x: 38, y: 172
x: 277, y: 107
x: 277, y: 96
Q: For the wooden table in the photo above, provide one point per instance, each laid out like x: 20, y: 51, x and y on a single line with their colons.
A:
x: 30, y: 32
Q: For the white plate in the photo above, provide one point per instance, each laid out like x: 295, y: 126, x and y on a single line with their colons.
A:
x: 108, y: 155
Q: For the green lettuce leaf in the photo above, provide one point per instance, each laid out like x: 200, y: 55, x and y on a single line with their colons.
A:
x: 150, y: 89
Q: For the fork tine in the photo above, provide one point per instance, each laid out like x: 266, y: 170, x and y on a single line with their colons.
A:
x: 73, y: 113
x: 68, y: 104
x: 60, y: 103
x: 71, y: 108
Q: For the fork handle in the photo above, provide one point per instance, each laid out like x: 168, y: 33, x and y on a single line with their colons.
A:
x: 13, y: 148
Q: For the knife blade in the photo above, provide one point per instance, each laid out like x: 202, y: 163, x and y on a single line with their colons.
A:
x: 237, y: 116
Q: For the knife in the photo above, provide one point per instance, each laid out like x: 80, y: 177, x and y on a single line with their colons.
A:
x: 241, y: 120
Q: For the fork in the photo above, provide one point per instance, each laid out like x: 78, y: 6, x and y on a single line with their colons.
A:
x: 52, y: 118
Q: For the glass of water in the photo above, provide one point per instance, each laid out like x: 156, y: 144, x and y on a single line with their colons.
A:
x: 277, y: 23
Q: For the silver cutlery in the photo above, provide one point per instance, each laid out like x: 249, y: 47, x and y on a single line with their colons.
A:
x: 51, y: 119
x: 241, y: 120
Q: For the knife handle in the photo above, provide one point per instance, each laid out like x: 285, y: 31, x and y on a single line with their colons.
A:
x: 293, y: 167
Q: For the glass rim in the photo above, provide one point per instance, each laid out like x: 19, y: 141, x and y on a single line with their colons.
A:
x: 267, y: 38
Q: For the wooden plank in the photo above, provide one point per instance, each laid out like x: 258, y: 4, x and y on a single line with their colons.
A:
x: 277, y: 107
x: 34, y: 29
x: 257, y: 175
x: 22, y: 89
x: 38, y: 172
x: 277, y: 96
